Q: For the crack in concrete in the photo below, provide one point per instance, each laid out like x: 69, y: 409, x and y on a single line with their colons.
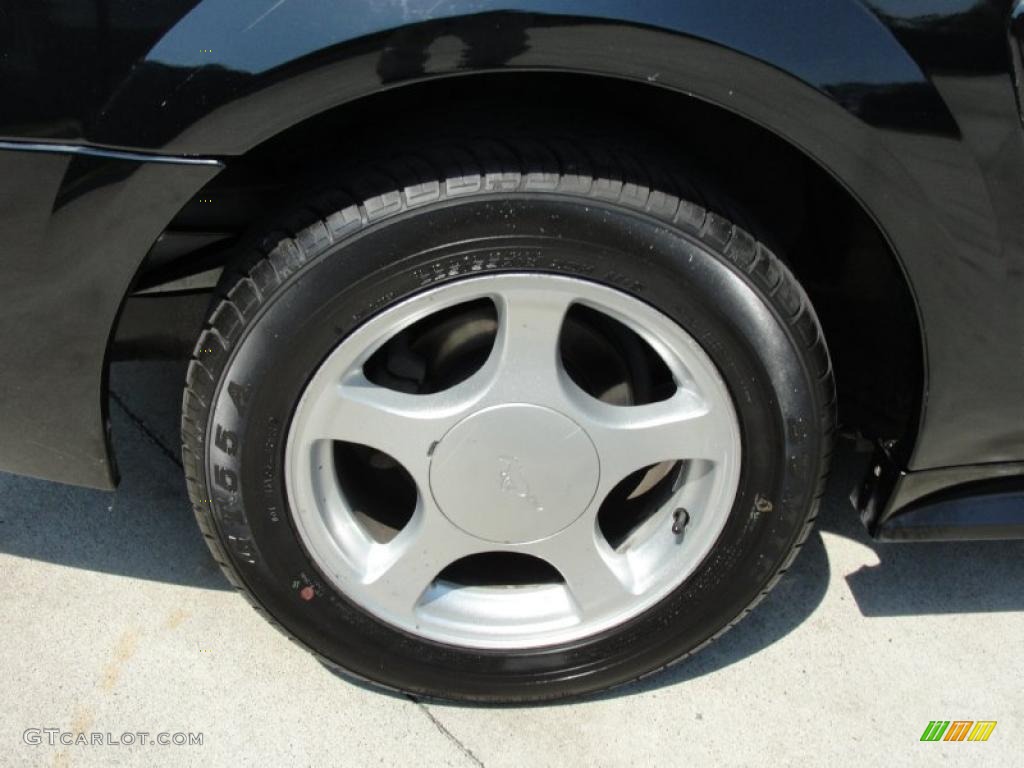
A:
x: 446, y: 733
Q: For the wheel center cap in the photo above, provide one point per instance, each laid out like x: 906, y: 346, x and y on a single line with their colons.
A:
x: 514, y: 473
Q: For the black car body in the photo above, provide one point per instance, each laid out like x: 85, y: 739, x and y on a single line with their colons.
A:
x: 118, y: 117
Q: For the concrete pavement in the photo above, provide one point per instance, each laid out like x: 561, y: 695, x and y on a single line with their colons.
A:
x: 116, y: 620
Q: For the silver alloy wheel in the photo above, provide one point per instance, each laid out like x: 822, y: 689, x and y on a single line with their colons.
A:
x: 515, y: 458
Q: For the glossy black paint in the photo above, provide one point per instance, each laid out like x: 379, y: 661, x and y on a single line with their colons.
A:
x: 939, y: 504
x: 220, y: 51
x: 73, y: 229
x: 992, y: 508
x: 911, y: 105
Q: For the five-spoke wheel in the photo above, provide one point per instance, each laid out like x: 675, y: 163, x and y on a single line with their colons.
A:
x: 514, y: 458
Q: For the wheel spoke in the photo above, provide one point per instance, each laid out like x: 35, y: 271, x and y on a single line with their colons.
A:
x: 629, y: 438
x: 402, y: 425
x: 399, y: 572
x: 595, y: 576
x: 526, y: 349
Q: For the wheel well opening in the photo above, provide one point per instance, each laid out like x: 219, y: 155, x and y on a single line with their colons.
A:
x: 832, y: 245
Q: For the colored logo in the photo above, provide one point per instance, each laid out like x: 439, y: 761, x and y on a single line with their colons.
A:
x: 958, y: 730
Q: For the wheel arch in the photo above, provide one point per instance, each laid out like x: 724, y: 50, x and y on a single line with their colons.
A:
x: 695, y: 128
x: 837, y: 111
x: 188, y: 107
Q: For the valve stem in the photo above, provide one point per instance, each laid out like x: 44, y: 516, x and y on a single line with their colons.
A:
x: 680, y: 519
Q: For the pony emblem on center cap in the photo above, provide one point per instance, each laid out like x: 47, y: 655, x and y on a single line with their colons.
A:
x: 513, y: 480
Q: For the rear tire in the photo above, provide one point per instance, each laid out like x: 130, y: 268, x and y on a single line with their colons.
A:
x: 565, y: 215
